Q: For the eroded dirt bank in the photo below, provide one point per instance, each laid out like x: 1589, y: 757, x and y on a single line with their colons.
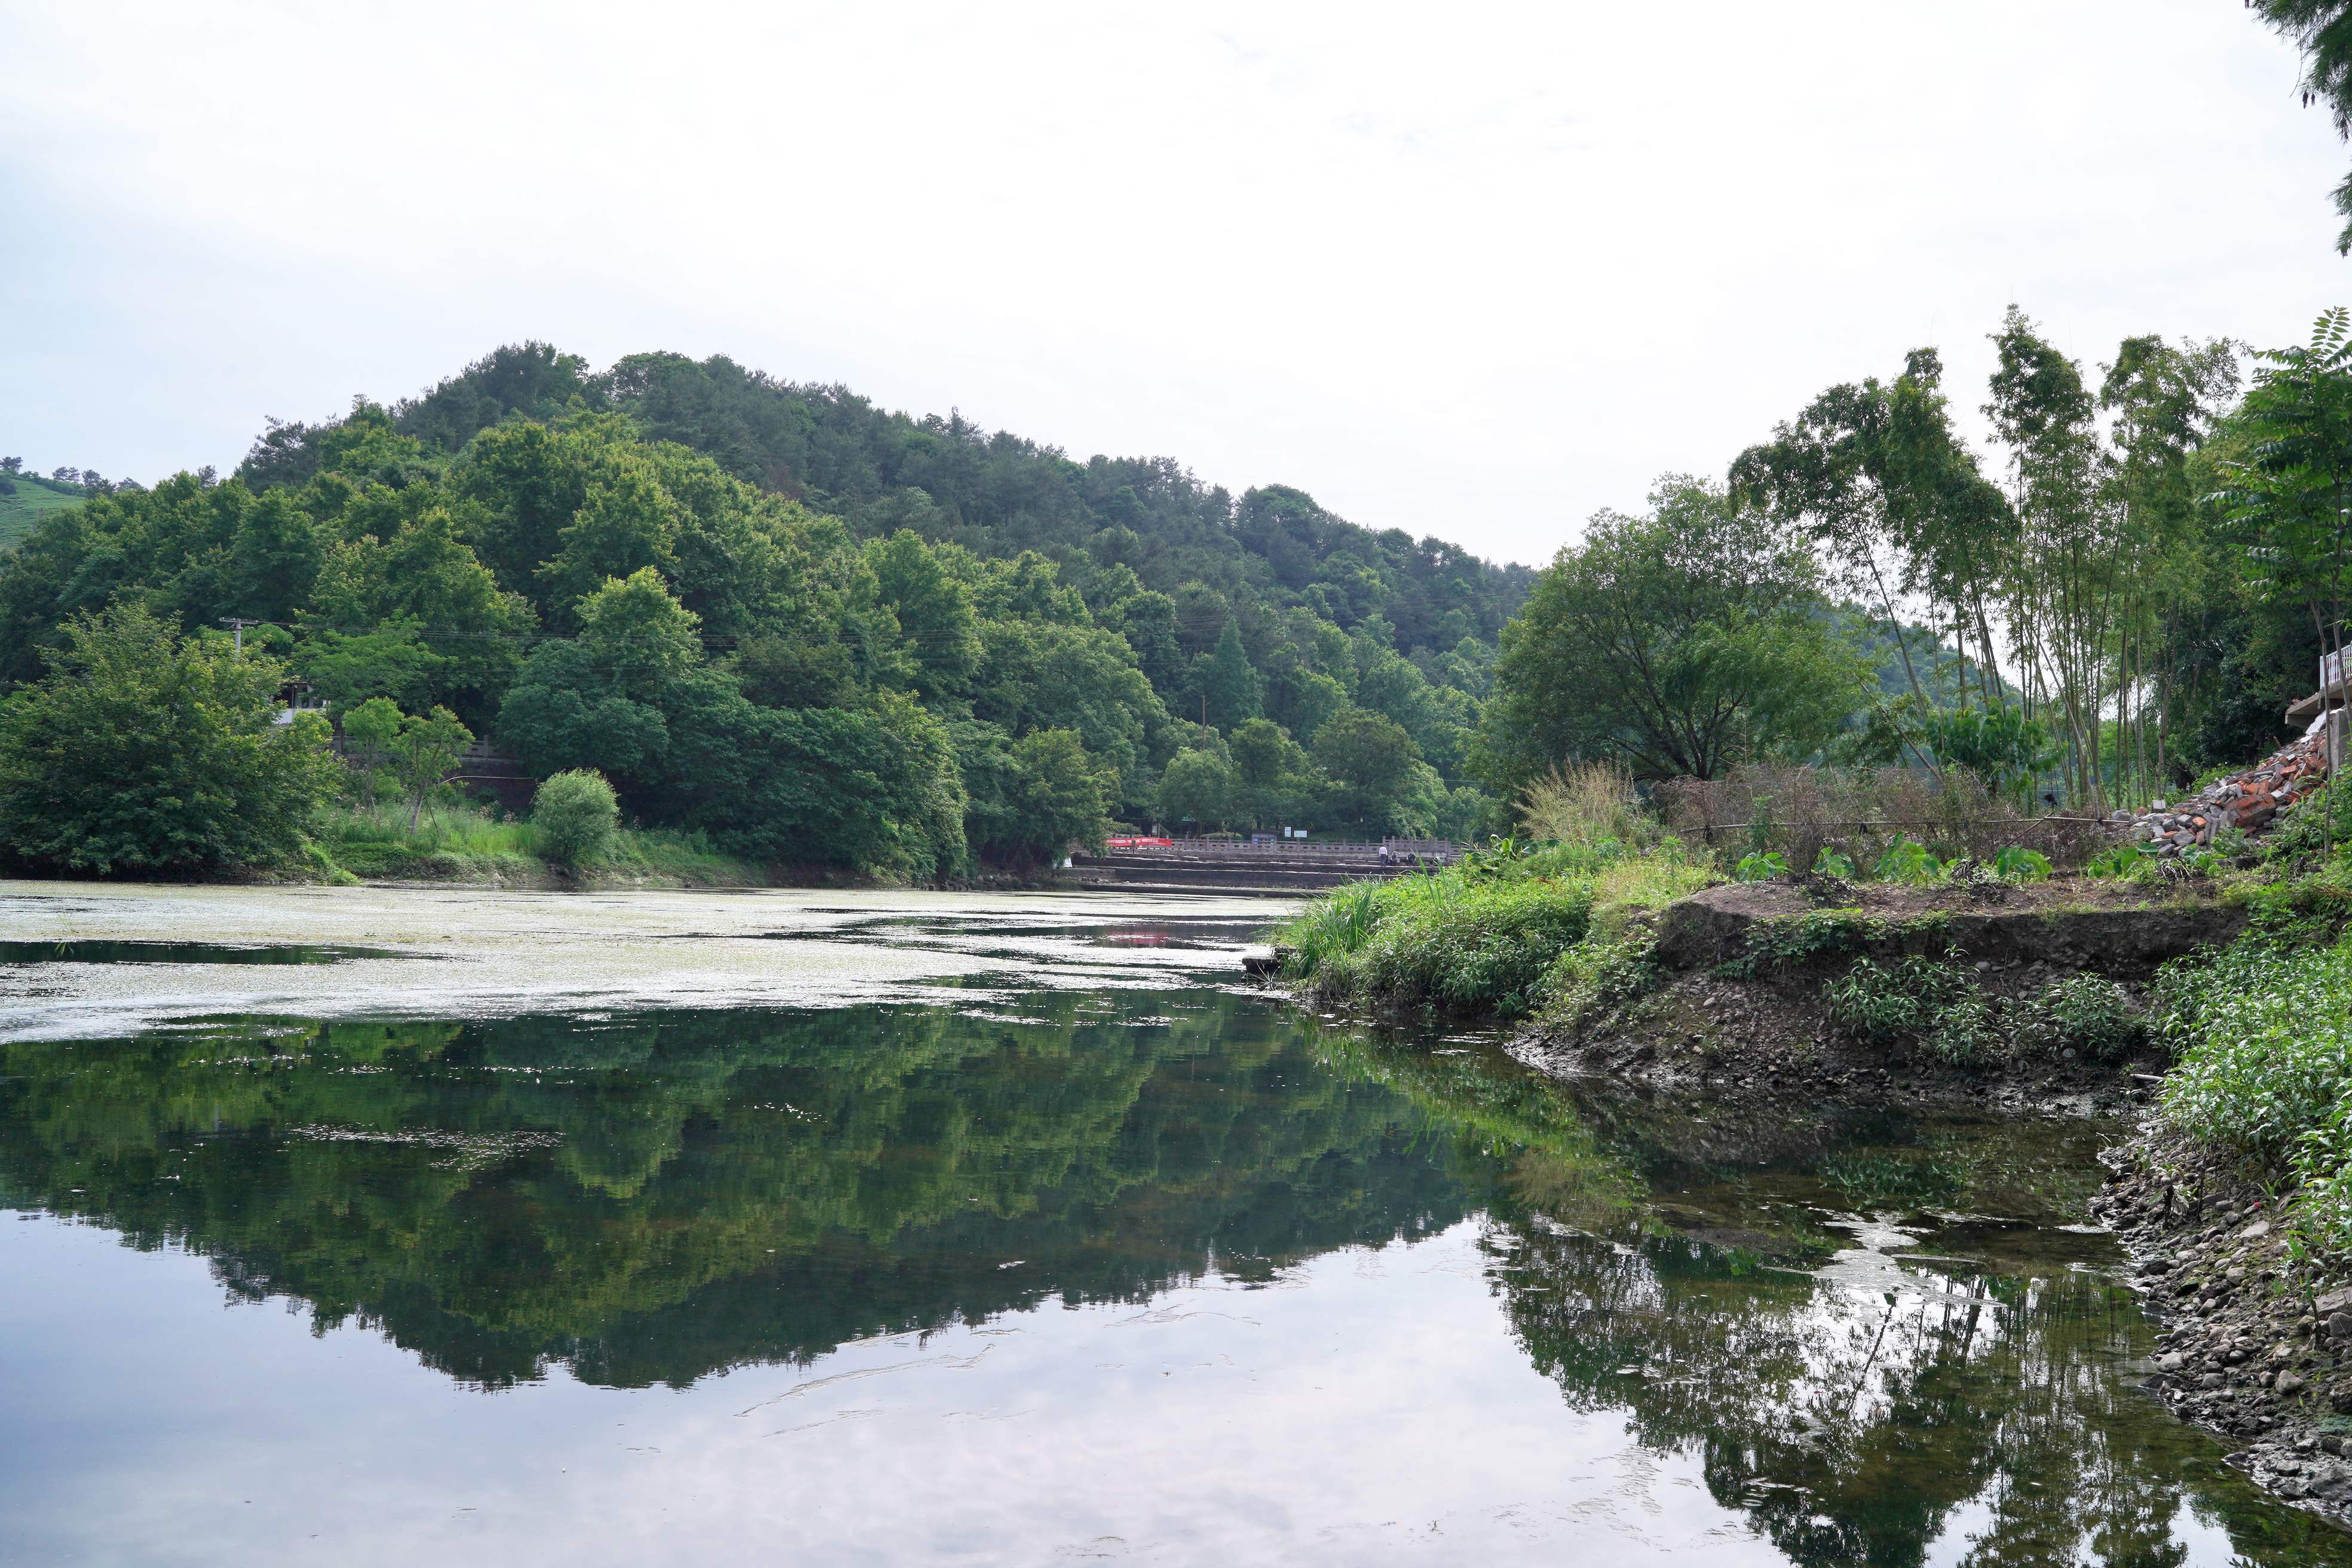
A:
x: 1741, y: 979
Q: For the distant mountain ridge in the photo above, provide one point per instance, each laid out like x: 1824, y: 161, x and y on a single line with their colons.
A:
x: 996, y: 494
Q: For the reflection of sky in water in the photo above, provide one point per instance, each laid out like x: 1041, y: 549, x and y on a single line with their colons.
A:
x: 1367, y: 1407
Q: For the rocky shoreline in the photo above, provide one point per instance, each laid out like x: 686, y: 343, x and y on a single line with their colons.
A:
x: 2250, y: 1349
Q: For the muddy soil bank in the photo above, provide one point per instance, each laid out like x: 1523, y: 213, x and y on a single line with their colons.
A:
x: 1767, y: 1038
x: 2108, y: 927
x: 1740, y: 975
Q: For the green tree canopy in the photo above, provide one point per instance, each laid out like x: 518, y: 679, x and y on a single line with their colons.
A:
x: 140, y: 751
x: 2322, y: 29
x: 1679, y: 643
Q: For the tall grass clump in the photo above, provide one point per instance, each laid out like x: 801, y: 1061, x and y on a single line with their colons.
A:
x: 448, y: 841
x: 1489, y: 936
x: 1587, y: 804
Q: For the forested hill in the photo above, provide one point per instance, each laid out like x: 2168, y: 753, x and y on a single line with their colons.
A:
x: 996, y: 494
x: 817, y: 631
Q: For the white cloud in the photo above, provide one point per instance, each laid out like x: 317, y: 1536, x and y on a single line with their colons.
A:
x: 1472, y: 273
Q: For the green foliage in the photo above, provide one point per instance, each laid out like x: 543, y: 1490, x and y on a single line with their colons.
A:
x: 1830, y: 863
x: 1060, y: 804
x: 369, y: 732
x: 2117, y: 860
x: 1681, y: 644
x: 2262, y: 1034
x: 425, y: 752
x: 1781, y: 944
x: 1488, y: 936
x: 1594, y: 977
x: 1378, y: 784
x: 2085, y: 1013
x: 1230, y: 689
x: 1933, y: 1002
x: 31, y: 499
x: 2000, y: 745
x: 2322, y: 31
x: 605, y: 573
x: 452, y: 842
x: 141, y: 752
x: 1906, y: 860
x: 1761, y: 866
x: 1481, y: 949
x: 1873, y: 473
x: 2015, y: 863
x: 1197, y: 787
x: 574, y: 816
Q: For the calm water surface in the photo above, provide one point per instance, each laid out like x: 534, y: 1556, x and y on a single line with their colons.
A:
x: 1065, y: 1251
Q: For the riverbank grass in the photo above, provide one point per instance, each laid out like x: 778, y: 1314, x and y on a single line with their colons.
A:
x: 465, y: 844
x: 1489, y: 936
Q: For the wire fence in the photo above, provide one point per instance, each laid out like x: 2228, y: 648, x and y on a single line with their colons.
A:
x: 1861, y: 812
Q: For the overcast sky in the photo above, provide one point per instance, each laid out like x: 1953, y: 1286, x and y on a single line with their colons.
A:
x: 1474, y: 271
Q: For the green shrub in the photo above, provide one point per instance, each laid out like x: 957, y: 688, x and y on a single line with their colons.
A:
x: 1594, y: 976
x: 142, y: 752
x: 1830, y: 863
x: 1908, y: 860
x: 1927, y: 1002
x: 1761, y: 867
x: 2085, y: 1013
x: 573, y: 816
x: 1486, y: 936
x: 1482, y: 951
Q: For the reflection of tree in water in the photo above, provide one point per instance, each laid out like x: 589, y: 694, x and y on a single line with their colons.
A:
x: 702, y: 1189
x: 694, y: 1191
x: 1857, y: 1412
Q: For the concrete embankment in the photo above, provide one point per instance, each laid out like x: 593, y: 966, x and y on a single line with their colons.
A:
x: 1275, y: 870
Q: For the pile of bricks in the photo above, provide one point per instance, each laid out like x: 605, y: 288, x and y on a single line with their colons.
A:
x: 2250, y: 802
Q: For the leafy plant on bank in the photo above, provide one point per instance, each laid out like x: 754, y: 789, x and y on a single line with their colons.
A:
x: 1933, y: 1002
x: 2084, y: 1013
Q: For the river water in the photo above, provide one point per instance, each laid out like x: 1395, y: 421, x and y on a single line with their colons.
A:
x: 363, y: 1227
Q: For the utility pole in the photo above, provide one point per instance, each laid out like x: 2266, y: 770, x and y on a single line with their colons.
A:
x: 237, y: 624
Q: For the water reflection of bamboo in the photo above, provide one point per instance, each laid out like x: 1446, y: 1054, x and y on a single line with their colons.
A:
x: 1855, y: 1428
